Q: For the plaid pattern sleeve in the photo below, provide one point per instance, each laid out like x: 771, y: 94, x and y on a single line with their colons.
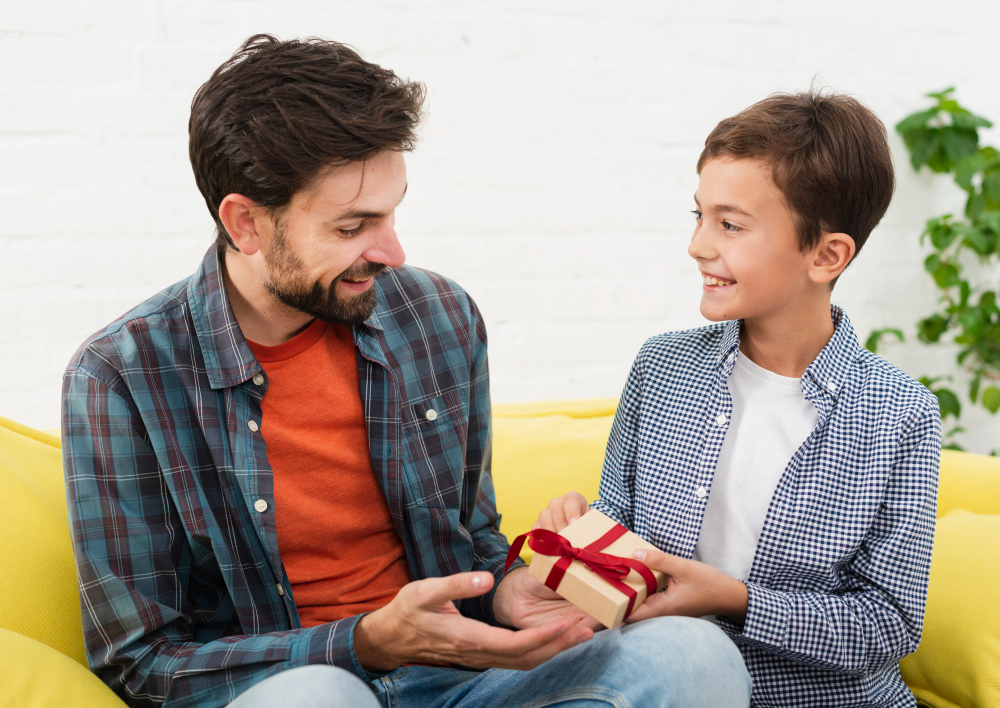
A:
x: 184, y: 596
x: 149, y: 635
x: 839, y: 579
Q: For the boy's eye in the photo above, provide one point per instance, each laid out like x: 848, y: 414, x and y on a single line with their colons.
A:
x: 732, y: 228
x: 697, y: 214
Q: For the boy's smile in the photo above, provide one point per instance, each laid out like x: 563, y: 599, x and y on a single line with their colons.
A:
x: 746, y: 244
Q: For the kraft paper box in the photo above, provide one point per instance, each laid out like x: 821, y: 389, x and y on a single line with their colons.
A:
x: 585, y: 588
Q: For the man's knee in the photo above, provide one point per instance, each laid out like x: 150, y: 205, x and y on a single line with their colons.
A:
x: 317, y: 686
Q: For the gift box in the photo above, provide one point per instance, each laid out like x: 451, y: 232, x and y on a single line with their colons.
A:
x: 590, y: 564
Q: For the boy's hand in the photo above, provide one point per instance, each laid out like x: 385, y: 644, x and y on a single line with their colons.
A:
x: 693, y: 589
x: 561, y: 512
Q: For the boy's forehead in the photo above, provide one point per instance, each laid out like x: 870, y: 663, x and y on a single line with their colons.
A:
x: 738, y: 185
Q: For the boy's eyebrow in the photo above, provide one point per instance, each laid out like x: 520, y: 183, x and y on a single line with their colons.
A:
x: 726, y: 208
x: 371, y: 214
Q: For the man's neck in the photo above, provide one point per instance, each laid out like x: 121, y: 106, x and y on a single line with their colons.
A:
x: 262, y: 317
x: 787, y: 344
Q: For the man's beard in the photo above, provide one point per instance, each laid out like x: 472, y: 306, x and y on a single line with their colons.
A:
x: 285, y: 280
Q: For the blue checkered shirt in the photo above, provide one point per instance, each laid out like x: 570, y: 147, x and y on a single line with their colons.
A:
x: 184, y: 595
x: 839, y: 578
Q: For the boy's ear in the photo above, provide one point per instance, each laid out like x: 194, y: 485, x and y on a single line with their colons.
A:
x: 831, y: 255
x: 241, y: 217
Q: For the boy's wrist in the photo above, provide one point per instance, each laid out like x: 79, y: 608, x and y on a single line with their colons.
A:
x: 736, y: 601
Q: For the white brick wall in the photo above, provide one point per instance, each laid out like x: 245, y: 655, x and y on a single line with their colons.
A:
x: 553, y: 180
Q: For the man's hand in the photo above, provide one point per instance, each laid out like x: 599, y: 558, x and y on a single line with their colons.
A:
x: 561, y: 512
x: 521, y: 601
x: 422, y: 625
x: 693, y: 589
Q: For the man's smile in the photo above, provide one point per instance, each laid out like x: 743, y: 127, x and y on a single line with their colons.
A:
x: 357, y: 286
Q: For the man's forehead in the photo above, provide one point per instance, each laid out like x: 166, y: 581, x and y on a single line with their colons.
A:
x: 356, y: 189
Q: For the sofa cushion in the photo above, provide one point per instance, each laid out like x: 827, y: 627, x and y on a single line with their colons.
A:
x: 970, y: 482
x: 37, y: 571
x: 543, y: 450
x: 958, y: 661
x: 34, y: 675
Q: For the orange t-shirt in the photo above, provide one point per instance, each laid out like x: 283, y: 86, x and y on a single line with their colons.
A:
x: 341, y: 551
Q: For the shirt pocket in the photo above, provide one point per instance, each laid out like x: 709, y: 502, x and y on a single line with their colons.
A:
x: 435, y: 433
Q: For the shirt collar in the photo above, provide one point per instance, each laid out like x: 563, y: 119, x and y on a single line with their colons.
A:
x: 228, y: 358
x: 829, y: 369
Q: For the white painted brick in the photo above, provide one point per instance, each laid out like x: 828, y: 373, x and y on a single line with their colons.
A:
x: 38, y: 18
x: 66, y: 62
x: 133, y: 20
x: 554, y: 178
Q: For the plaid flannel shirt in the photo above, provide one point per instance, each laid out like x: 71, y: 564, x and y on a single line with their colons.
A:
x: 184, y: 596
x: 839, y: 579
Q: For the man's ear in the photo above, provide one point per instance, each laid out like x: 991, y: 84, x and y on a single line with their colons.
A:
x: 241, y: 217
x: 830, y: 256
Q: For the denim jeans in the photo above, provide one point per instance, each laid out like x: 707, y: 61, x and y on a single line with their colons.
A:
x: 316, y: 686
x: 666, y: 661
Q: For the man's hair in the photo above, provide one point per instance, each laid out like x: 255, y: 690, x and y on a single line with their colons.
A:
x: 277, y: 114
x: 829, y: 156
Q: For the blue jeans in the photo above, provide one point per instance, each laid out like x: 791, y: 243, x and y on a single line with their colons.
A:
x: 665, y: 661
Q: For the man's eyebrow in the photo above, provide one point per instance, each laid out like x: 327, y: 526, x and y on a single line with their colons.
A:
x: 726, y: 208
x: 360, y: 214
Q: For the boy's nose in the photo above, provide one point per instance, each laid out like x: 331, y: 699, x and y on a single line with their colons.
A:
x: 700, y: 247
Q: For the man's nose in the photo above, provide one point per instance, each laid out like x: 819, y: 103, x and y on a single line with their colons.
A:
x: 386, y: 248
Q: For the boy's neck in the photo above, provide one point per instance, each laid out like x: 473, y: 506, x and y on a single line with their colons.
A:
x: 787, y: 345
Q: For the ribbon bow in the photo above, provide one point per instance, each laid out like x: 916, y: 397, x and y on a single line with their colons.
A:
x: 613, y: 569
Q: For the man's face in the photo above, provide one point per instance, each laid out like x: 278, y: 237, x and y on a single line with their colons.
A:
x: 746, y: 244
x: 334, y: 237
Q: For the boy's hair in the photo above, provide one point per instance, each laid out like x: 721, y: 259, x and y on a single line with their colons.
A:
x: 276, y: 114
x: 829, y: 156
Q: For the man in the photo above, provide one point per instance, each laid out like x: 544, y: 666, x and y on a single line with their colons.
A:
x: 278, y: 469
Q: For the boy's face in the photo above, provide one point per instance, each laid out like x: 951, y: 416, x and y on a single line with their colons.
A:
x: 746, y: 244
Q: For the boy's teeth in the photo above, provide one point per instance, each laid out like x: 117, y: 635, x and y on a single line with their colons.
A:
x: 709, y: 280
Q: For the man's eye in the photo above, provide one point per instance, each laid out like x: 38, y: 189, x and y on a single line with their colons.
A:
x: 352, y: 232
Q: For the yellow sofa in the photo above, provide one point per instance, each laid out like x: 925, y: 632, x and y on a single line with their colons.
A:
x: 541, y: 450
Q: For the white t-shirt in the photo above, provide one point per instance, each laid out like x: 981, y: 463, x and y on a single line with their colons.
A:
x: 771, y: 419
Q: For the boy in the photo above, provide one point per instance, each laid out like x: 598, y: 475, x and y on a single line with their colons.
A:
x: 788, y: 475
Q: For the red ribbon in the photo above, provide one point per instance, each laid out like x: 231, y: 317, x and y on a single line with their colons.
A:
x: 613, y: 569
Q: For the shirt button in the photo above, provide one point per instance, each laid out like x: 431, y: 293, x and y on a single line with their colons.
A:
x: 281, y: 590
x: 721, y: 419
x: 260, y: 505
x: 701, y: 492
x: 731, y: 357
x: 431, y: 414
x: 258, y: 379
x: 252, y: 424
x: 832, y: 385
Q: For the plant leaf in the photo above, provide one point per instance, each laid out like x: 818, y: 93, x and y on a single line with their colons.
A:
x: 991, y: 399
x: 916, y: 121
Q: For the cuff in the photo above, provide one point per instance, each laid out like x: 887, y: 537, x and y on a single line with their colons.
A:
x: 332, y: 644
x: 768, y: 615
